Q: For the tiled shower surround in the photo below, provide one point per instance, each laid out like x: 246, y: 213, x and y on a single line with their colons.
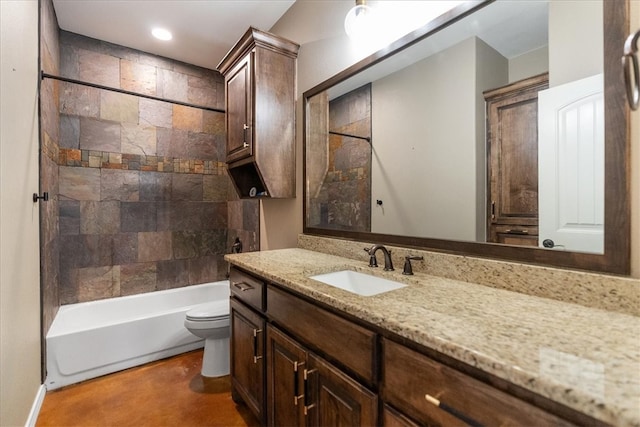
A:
x: 344, y: 198
x: 144, y: 199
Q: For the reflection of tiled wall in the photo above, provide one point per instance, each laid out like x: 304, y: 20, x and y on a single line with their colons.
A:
x: 143, y: 185
x: 49, y: 128
x: 344, y: 200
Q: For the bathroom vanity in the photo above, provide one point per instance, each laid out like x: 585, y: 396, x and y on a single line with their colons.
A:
x: 436, y: 351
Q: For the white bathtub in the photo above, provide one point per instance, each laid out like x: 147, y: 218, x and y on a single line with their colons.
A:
x: 95, y: 338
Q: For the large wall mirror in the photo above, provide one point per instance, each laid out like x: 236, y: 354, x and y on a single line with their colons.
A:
x: 499, y: 129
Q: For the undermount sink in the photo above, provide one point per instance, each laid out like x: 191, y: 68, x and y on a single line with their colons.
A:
x: 358, y: 283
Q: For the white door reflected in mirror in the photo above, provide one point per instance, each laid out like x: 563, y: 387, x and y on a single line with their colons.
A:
x: 571, y: 165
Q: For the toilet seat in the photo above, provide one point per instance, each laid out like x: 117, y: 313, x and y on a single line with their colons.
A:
x: 214, y: 310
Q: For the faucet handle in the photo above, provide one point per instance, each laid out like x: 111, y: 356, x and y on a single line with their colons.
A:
x: 373, y: 262
x: 408, y: 270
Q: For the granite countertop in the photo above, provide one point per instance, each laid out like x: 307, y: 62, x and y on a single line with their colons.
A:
x: 587, y: 359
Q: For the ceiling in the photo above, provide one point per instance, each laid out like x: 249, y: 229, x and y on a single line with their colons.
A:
x: 203, y: 30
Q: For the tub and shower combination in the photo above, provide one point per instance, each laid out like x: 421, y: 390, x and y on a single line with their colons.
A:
x: 90, y: 339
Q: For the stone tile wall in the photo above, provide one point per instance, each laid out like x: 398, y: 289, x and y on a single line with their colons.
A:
x: 145, y: 202
x: 50, y: 136
x: 344, y: 199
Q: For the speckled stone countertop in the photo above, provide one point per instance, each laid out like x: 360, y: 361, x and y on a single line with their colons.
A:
x: 585, y: 358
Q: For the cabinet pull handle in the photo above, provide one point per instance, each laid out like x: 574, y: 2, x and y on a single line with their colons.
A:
x: 516, y: 231
x: 256, y: 357
x: 306, y: 374
x: 296, y: 383
x: 452, y: 411
x: 493, y: 210
x: 245, y: 127
x: 243, y: 286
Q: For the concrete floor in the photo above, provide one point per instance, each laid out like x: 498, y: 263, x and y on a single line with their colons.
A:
x: 169, y: 392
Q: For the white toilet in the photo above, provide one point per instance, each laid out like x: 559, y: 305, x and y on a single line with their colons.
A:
x: 211, y: 322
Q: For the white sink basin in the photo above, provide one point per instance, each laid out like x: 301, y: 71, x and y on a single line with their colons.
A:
x: 358, y: 283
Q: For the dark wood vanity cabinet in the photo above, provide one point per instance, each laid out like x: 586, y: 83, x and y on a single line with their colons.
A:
x: 512, y: 144
x: 304, y: 389
x: 303, y: 386
x: 247, y: 343
x: 297, y: 363
x: 409, y: 377
x: 260, y: 82
x: 247, y: 360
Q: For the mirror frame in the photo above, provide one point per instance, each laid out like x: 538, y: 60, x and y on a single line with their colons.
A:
x: 617, y: 239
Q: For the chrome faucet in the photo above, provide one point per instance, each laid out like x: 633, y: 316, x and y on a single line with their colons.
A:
x: 373, y: 262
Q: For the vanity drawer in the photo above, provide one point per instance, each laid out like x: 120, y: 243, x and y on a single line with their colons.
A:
x: 352, y: 347
x: 408, y: 376
x: 247, y: 288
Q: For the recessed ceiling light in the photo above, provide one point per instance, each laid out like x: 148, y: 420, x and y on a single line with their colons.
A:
x: 161, y: 34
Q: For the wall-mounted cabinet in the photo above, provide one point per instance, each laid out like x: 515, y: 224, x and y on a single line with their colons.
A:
x: 512, y: 141
x: 260, y: 82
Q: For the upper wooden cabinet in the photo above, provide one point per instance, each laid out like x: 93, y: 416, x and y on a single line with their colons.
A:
x: 260, y: 82
x: 512, y: 142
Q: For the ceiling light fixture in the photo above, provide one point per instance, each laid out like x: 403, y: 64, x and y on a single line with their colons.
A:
x: 359, y: 20
x: 161, y: 34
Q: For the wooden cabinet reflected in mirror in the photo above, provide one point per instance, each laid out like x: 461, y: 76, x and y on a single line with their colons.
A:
x: 512, y: 145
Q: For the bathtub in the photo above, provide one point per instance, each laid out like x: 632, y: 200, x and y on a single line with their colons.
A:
x: 90, y: 339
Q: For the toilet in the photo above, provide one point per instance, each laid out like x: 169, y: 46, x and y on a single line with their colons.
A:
x: 211, y: 322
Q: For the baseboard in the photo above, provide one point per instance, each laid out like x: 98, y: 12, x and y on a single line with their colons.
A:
x: 35, y: 408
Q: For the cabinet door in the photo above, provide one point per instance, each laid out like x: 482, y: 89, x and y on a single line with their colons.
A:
x: 334, y: 399
x: 393, y: 418
x: 285, y: 370
x: 239, y: 110
x: 512, y: 139
x: 247, y: 361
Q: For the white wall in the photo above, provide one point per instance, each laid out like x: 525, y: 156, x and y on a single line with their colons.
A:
x: 19, y: 253
x: 529, y: 64
x: 566, y: 19
x: 420, y: 144
x: 429, y: 129
x: 492, y: 71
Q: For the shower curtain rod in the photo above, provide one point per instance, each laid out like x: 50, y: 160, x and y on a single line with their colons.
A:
x: 127, y: 92
x: 366, y: 138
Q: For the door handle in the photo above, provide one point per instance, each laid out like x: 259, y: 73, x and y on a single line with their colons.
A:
x: 307, y: 405
x: 631, y: 72
x: 516, y: 231
x: 459, y: 415
x: 548, y: 243
x: 256, y: 357
x: 296, y: 386
x: 245, y: 127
